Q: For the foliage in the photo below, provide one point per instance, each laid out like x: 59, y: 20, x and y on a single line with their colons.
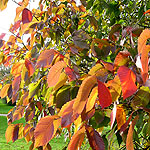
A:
x: 84, y: 68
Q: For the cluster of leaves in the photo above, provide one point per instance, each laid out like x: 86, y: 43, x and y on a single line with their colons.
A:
x: 67, y: 75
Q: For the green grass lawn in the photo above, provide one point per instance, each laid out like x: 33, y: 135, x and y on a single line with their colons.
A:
x: 21, y: 144
x: 4, y: 108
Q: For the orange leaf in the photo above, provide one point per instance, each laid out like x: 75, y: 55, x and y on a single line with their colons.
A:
x: 92, y: 98
x: 148, y: 11
x: 45, y: 58
x: 54, y: 73
x: 143, y: 50
x: 8, y: 133
x: 95, y: 140
x: 29, y: 65
x: 17, y: 68
x: 127, y: 78
x: 83, y: 94
x: 77, y: 139
x: 26, y: 16
x: 45, y: 130
x: 18, y: 114
x: 104, y: 95
x: 66, y: 114
x: 121, y: 59
x: 120, y: 116
x: 4, y: 91
x: 3, y: 4
x: 129, y: 141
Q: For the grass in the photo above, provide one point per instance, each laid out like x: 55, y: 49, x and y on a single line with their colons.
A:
x: 21, y: 144
x: 4, y: 108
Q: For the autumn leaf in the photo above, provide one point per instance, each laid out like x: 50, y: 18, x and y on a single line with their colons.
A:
x: 92, y: 99
x: 54, y: 73
x: 70, y: 73
x: 18, y: 114
x: 77, y: 139
x: 17, y: 68
x: 147, y: 12
x: 120, y: 116
x: 4, y: 91
x: 45, y: 130
x: 45, y: 58
x: 83, y: 94
x: 95, y: 140
x: 30, y: 67
x: 127, y: 78
x: 104, y: 95
x: 121, y: 59
x: 16, y: 84
x: 143, y: 50
x: 129, y: 141
x: 3, y: 4
x: 26, y: 16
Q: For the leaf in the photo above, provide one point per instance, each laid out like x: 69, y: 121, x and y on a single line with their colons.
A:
x: 104, y: 95
x: 92, y: 99
x: 26, y: 16
x: 70, y: 73
x: 62, y: 96
x: 18, y: 114
x: 62, y: 80
x: 93, y: 22
x: 114, y: 88
x: 95, y: 68
x: 45, y: 130
x: 129, y: 141
x: 8, y: 133
x: 83, y: 94
x: 3, y: 4
x: 121, y: 59
x: 16, y: 84
x: 66, y: 114
x: 33, y: 89
x: 147, y: 12
x: 54, y: 73
x: 143, y: 50
x: 77, y: 139
x: 17, y: 68
x: 30, y: 67
x: 95, y: 140
x: 2, y: 35
x: 4, y: 91
x: 120, y: 116
x: 127, y: 78
x: 45, y: 58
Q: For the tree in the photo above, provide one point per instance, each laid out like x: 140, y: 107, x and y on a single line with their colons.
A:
x: 84, y: 68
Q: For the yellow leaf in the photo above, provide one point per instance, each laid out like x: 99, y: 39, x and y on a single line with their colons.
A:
x: 9, y: 132
x: 4, y: 91
x: 62, y: 79
x: 92, y: 98
x: 94, y: 69
x: 3, y: 4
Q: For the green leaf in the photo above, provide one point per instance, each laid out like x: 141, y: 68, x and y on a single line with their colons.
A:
x: 33, y: 87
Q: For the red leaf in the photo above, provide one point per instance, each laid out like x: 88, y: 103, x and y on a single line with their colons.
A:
x: 127, y: 78
x: 95, y: 140
x: 70, y: 73
x: 104, y: 95
x: 26, y: 16
x: 29, y: 65
x: 129, y: 141
x: 77, y: 139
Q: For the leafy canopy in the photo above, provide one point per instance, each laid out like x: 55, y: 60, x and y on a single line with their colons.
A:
x: 84, y: 70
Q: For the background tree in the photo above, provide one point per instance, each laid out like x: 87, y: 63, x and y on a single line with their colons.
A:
x: 84, y: 68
